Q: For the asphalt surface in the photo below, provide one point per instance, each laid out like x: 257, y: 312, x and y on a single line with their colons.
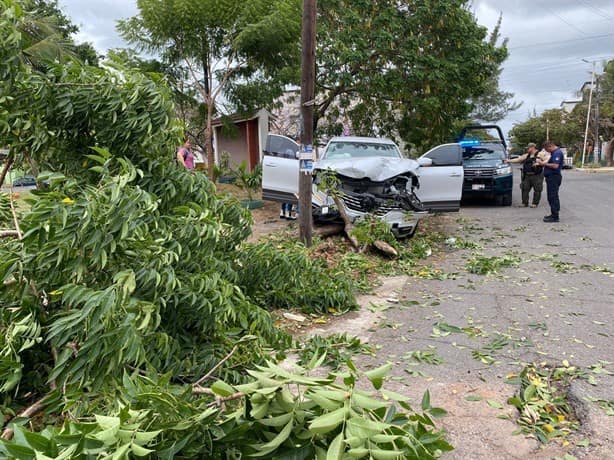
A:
x: 554, y: 307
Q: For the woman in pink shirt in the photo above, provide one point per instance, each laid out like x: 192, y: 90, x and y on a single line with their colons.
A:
x: 185, y: 156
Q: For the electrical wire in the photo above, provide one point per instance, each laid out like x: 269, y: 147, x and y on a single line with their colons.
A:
x: 560, y: 42
x: 599, y: 11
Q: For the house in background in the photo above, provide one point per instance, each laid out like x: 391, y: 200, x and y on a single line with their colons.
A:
x: 242, y: 137
x: 568, y: 106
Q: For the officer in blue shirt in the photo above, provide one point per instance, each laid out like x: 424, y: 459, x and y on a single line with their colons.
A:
x: 552, y: 172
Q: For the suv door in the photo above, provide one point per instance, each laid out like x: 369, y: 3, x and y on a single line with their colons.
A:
x: 280, y: 167
x: 441, y: 183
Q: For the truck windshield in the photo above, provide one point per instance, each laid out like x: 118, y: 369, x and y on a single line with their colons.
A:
x: 336, y: 150
x: 484, y: 153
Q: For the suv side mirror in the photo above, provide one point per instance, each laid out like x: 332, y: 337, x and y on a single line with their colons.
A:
x: 422, y: 161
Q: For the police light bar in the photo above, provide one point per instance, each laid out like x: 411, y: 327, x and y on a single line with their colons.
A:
x: 469, y: 142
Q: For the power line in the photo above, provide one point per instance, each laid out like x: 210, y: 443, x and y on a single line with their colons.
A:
x: 560, y: 42
x: 561, y: 18
x: 599, y: 12
x: 571, y: 60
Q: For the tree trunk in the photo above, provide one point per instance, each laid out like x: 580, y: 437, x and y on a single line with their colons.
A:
x: 7, y: 167
x: 209, y: 139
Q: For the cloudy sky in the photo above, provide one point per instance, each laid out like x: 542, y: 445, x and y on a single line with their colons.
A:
x: 548, y: 41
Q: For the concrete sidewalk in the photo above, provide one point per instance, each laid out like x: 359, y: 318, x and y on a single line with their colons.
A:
x: 601, y: 169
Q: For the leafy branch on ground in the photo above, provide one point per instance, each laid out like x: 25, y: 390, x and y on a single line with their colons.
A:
x: 275, y: 413
x: 337, y: 348
x: 485, y: 265
x: 542, y: 403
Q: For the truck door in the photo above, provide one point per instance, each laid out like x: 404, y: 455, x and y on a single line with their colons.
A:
x: 280, y: 168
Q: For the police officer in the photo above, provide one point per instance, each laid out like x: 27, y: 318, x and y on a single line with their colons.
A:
x: 532, y: 174
x: 552, y: 172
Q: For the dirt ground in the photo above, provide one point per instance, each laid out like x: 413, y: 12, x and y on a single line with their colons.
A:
x: 267, y: 221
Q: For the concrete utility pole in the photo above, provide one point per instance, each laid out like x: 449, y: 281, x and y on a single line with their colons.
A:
x: 588, y: 111
x: 596, y: 144
x: 307, y: 154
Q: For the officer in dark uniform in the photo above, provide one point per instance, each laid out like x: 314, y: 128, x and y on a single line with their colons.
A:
x: 552, y: 173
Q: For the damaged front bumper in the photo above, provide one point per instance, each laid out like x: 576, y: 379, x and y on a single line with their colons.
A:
x: 392, y: 201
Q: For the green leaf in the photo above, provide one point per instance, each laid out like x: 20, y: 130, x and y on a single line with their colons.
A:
x: 358, y: 452
x: 121, y: 453
x: 366, y: 402
x: 376, y: 376
x: 516, y: 402
x: 19, y: 452
x: 426, y: 401
x: 265, y: 449
x: 328, y: 422
x: 145, y: 437
x: 473, y: 398
x: 222, y: 388
x: 379, y: 454
x: 364, y: 428
x: 394, y: 396
x: 278, y: 421
x: 438, y: 412
x: 336, y: 448
x: 494, y: 404
x: 37, y: 441
x: 140, y: 451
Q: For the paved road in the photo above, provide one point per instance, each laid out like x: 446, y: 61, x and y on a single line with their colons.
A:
x: 556, y: 305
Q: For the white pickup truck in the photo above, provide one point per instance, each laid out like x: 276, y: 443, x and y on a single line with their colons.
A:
x: 374, y: 179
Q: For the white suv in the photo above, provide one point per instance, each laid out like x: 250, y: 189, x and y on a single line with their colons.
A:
x: 374, y: 179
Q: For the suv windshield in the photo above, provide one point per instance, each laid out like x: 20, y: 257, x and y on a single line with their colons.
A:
x: 484, y: 152
x: 337, y: 150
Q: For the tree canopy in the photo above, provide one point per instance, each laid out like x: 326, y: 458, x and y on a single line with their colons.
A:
x: 244, y: 51
x: 407, y: 69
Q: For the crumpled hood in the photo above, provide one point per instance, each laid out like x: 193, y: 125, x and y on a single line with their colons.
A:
x: 377, y: 169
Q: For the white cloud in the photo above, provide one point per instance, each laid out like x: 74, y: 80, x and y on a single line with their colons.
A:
x: 97, y: 19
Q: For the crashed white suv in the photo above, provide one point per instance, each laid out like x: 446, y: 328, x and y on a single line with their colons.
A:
x: 374, y: 179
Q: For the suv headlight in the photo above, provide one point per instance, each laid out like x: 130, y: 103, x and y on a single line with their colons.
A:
x: 500, y: 171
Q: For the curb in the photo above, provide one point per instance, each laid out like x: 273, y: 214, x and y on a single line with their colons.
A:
x: 606, y: 169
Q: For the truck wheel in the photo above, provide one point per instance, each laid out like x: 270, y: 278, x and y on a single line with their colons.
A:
x: 507, y: 199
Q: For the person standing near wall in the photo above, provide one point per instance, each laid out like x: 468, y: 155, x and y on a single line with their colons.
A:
x: 552, y: 172
x: 185, y: 157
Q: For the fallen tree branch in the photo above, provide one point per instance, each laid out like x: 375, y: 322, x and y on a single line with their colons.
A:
x: 385, y: 248
x: 7, y: 167
x: 348, y: 225
x: 216, y: 367
x: 328, y: 230
x: 28, y: 412
x: 198, y: 390
x: 17, y: 229
x: 9, y: 233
